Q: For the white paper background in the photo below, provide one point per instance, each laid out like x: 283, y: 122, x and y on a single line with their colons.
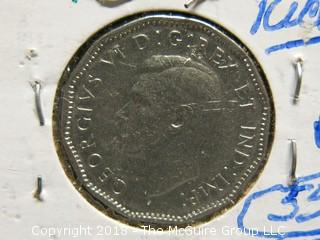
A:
x: 56, y: 29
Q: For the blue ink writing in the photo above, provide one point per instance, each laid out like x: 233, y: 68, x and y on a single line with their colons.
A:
x: 291, y: 193
x: 292, y: 44
x: 317, y: 133
x: 315, y: 196
x: 311, y: 10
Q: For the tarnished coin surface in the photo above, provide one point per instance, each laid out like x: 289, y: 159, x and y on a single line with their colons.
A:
x: 163, y: 118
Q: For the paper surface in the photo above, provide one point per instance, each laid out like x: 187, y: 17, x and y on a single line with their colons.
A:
x: 55, y: 29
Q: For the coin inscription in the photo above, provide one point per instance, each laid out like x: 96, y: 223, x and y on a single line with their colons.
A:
x: 163, y: 119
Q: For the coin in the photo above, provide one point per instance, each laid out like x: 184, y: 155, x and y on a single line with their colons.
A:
x: 163, y: 119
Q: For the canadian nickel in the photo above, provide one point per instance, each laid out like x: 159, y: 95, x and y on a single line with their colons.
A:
x: 163, y: 119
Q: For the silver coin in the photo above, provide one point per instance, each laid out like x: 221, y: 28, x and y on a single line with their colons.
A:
x: 163, y: 119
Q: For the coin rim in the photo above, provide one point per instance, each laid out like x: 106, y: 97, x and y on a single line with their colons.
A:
x: 56, y: 121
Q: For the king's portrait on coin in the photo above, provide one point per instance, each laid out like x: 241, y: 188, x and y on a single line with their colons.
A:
x: 163, y: 119
x: 155, y: 128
